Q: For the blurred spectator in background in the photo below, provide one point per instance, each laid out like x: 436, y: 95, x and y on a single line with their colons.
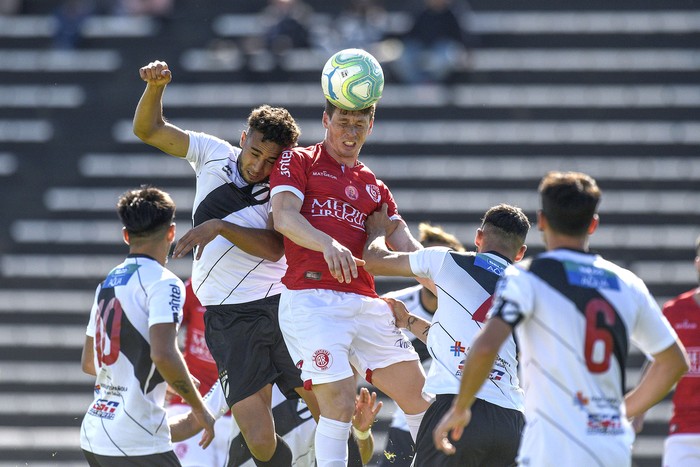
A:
x: 156, y: 8
x: 362, y: 25
x: 434, y: 46
x: 286, y: 24
x: 70, y: 16
x: 10, y: 7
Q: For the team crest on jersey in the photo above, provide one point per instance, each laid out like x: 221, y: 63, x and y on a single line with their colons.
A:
x: 322, y: 359
x: 351, y: 192
x: 374, y: 193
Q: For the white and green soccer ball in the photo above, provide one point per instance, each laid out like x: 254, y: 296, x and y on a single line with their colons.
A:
x: 352, y: 79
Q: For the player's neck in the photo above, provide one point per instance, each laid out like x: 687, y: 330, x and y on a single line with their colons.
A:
x: 554, y: 241
x: 696, y: 296
x: 157, y: 252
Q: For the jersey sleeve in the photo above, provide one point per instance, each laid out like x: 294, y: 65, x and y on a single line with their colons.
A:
x: 166, y: 298
x: 289, y: 174
x: 428, y: 262
x: 652, y: 332
x: 90, y: 331
x: 514, y: 298
x: 201, y: 144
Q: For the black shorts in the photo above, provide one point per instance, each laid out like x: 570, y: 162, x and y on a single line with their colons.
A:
x: 164, y: 459
x: 247, y: 345
x: 491, y: 439
x: 399, y: 450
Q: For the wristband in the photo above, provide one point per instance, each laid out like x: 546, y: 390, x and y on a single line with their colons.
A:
x: 361, y: 435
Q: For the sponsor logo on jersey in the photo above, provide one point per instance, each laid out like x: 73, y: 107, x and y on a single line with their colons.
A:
x: 604, y: 424
x: 490, y: 264
x: 104, y: 408
x: 590, y: 277
x: 351, y: 192
x: 223, y: 379
x: 227, y: 170
x: 374, y: 193
x: 322, y: 359
x: 496, y: 375
x: 694, y: 359
x: 283, y: 166
x: 312, y: 275
x: 403, y: 343
x: 457, y: 349
x: 323, y: 173
x: 340, y: 210
x: 175, y: 298
x: 120, y: 276
x: 685, y: 324
x: 580, y: 400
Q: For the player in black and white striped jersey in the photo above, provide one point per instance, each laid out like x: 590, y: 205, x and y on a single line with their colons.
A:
x: 237, y: 276
x: 465, y: 282
x: 420, y: 301
x: 574, y: 314
x: 131, y: 344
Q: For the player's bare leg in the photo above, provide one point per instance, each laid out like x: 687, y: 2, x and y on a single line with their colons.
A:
x: 254, y: 417
x: 403, y: 382
x: 336, y: 401
x: 311, y: 402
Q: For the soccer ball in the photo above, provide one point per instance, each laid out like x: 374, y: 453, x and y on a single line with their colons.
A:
x: 352, y: 79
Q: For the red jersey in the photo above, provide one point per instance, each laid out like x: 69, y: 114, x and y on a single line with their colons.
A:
x: 199, y: 360
x: 683, y: 313
x: 336, y: 200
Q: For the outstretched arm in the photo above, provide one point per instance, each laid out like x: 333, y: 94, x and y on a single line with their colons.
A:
x: 366, y: 410
x: 149, y: 124
x: 286, y: 207
x: 263, y: 243
x: 405, y: 320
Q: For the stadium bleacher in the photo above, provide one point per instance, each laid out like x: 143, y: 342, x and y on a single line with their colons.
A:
x: 609, y: 88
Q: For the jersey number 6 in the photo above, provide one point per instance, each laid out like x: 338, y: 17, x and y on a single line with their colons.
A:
x: 600, y: 318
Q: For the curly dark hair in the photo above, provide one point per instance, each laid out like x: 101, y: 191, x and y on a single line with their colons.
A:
x: 276, y: 124
x: 146, y: 211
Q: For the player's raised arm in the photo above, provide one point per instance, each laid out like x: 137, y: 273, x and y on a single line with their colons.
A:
x: 149, y: 124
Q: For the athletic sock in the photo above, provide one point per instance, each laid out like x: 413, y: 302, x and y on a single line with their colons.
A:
x: 281, y: 458
x: 413, y: 422
x: 331, y: 443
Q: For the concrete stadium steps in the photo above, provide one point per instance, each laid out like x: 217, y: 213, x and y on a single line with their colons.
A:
x: 606, y: 88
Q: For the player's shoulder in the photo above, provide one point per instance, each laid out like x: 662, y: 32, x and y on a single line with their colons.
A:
x: 680, y: 302
x: 200, y: 137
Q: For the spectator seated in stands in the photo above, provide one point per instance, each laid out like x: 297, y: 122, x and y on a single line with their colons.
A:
x: 434, y: 46
x: 70, y: 16
x: 362, y: 25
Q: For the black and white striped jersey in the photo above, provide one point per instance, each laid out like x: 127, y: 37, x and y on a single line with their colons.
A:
x: 574, y: 315
x: 225, y: 274
x: 126, y: 417
x: 465, y: 284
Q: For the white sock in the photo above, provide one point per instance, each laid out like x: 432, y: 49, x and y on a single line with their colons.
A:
x: 332, y: 442
x: 413, y: 422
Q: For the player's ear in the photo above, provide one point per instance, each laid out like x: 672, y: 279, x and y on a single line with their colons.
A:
x: 125, y: 235
x: 594, y: 224
x: 541, y: 220
x: 478, y: 238
x: 520, y: 253
x: 244, y: 135
x: 171, y: 233
x: 326, y: 120
x: 371, y: 126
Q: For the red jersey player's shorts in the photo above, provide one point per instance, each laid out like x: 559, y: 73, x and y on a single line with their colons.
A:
x: 320, y: 328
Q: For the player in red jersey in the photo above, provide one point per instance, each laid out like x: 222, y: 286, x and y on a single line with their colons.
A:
x: 682, y: 447
x: 321, y: 196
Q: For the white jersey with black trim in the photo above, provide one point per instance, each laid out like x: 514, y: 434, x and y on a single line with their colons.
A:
x: 293, y: 422
x: 574, y: 314
x: 127, y: 417
x: 465, y: 284
x: 410, y: 296
x: 225, y: 274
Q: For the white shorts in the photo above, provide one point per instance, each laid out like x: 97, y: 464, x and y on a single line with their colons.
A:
x: 191, y: 454
x: 323, y: 327
x: 682, y: 450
